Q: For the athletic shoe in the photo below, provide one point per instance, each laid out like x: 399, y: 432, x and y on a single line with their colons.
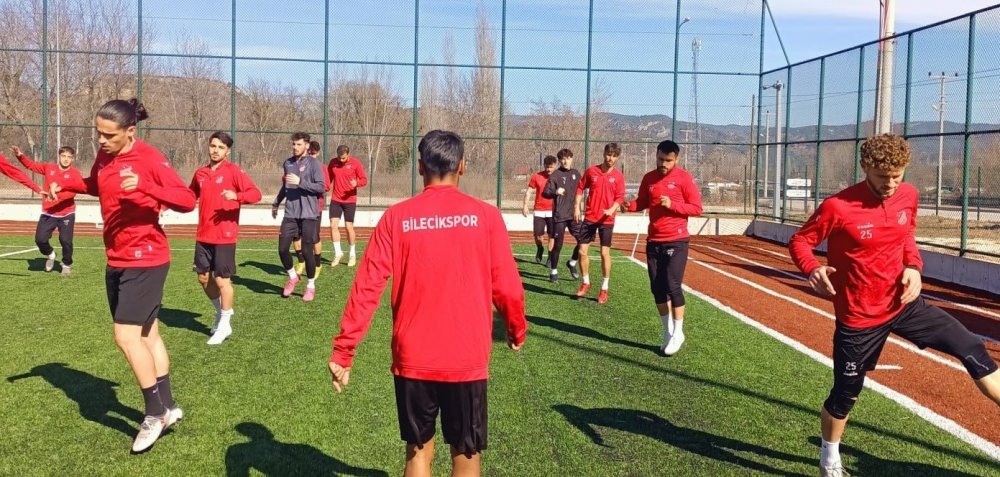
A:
x: 309, y: 295
x: 584, y: 288
x: 318, y: 269
x: 336, y: 259
x: 538, y: 257
x: 149, y: 432
x: 554, y: 277
x: 220, y: 335
x: 289, y: 287
x: 666, y: 341
x: 835, y: 470
x: 50, y: 262
x: 300, y: 268
x: 352, y: 261
x: 173, y: 416
x: 675, y: 345
x: 573, y: 271
x: 602, y: 297
x: 66, y: 271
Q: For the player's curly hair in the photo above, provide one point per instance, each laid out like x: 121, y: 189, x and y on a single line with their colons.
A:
x: 887, y: 152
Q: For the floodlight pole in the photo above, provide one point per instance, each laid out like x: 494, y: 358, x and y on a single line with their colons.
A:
x: 940, y: 109
x: 777, y: 146
x: 886, y: 53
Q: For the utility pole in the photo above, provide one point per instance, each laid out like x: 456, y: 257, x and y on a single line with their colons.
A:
x: 942, y: 102
x: 777, y: 146
x: 767, y: 145
x: 686, y: 132
x: 886, y: 56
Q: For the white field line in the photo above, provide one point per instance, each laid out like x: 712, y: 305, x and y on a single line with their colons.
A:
x: 902, y: 343
x: 888, y: 367
x: 19, y: 252
x: 934, y: 418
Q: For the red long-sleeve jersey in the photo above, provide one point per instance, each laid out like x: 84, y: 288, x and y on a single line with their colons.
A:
x: 606, y: 189
x: 450, y: 260
x: 341, y: 174
x: 133, y: 236
x: 870, y: 242
x: 10, y: 170
x: 66, y: 202
x: 326, y: 184
x: 537, y: 182
x: 218, y: 217
x: 668, y: 224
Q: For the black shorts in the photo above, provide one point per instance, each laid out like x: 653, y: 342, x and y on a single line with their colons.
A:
x: 543, y: 226
x: 665, y: 262
x: 462, y: 406
x: 347, y: 210
x: 305, y: 229
x: 135, y: 294
x: 219, y: 259
x: 589, y: 230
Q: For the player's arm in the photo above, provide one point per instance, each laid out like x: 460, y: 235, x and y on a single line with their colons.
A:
x: 619, y: 197
x: 691, y: 206
x: 527, y: 196
x: 9, y: 170
x: 641, y: 201
x: 78, y: 184
x: 312, y: 182
x: 246, y: 190
x: 26, y: 161
x: 817, y: 229
x: 914, y: 263
x: 167, y: 187
x: 551, y: 190
x: 362, y: 178
x: 195, y: 186
x: 508, y: 290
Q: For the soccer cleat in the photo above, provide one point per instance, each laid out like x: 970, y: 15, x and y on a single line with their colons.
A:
x: 835, y: 470
x: 50, y: 262
x: 352, y: 261
x: 289, y: 287
x: 149, y: 432
x: 336, y: 259
x: 602, y: 297
x: 675, y: 344
x: 300, y: 268
x: 220, y: 335
x: 666, y: 341
x: 173, y: 416
x: 318, y: 268
x: 584, y: 288
x: 310, y: 294
x: 573, y: 271
x: 554, y: 277
x: 66, y: 271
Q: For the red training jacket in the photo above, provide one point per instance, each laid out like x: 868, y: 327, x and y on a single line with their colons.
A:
x: 605, y: 190
x: 218, y: 217
x: 668, y: 224
x: 450, y: 260
x: 537, y: 182
x: 10, y: 170
x: 66, y: 203
x: 133, y: 237
x: 870, y: 242
x: 341, y: 174
x: 326, y: 184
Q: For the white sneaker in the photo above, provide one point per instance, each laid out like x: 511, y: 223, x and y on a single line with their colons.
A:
x: 220, y: 335
x: 336, y: 259
x: 173, y: 416
x: 149, y: 432
x: 50, y: 262
x: 352, y: 260
x: 674, y: 345
x: 66, y: 270
x: 835, y: 470
x: 666, y: 342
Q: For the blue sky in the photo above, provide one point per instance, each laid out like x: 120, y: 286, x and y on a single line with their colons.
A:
x: 628, y: 34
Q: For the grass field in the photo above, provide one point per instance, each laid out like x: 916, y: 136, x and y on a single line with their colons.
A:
x: 588, y: 395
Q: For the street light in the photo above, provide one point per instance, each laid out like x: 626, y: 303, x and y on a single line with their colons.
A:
x: 777, y: 144
x: 677, y: 39
x: 940, y: 109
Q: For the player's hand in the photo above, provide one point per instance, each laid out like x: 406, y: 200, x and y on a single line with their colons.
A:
x: 54, y: 190
x: 15, y: 150
x: 911, y: 285
x: 341, y: 376
x: 274, y: 212
x: 524, y: 211
x: 228, y: 195
x: 665, y: 201
x: 561, y: 191
x: 131, y: 181
x: 611, y: 210
x: 292, y: 179
x: 354, y: 182
x: 820, y: 280
x: 512, y: 345
x: 576, y: 216
x: 46, y: 196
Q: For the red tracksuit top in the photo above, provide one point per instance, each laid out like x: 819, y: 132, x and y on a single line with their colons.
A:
x: 53, y: 173
x: 341, y: 174
x: 219, y: 218
x: 451, y: 262
x: 133, y: 237
x: 9, y: 170
x: 668, y: 225
x: 605, y: 190
x: 870, y: 242
x: 537, y: 182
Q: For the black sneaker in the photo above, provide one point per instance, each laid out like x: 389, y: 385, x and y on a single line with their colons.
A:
x: 554, y: 277
x: 538, y: 256
x: 572, y: 271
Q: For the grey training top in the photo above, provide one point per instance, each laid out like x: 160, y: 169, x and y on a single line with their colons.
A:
x: 302, y: 201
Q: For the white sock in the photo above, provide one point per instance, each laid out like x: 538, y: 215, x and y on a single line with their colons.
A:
x: 52, y: 256
x: 679, y: 327
x: 604, y: 284
x: 353, y: 251
x: 311, y: 283
x: 829, y: 453
x: 291, y: 274
x: 668, y: 323
x: 218, y: 304
x: 336, y: 248
x: 586, y: 279
x: 226, y: 316
x: 555, y: 272
x: 572, y: 263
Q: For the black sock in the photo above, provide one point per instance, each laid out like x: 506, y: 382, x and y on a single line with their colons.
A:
x: 576, y: 253
x: 538, y: 250
x: 151, y: 397
x: 166, y: 396
x: 319, y: 259
x: 298, y: 255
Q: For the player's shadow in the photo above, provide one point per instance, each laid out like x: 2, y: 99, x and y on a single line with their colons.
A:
x: 589, y: 333
x: 36, y: 264
x: 868, y: 464
x: 95, y: 396
x: 266, y: 455
x: 530, y: 287
x: 712, y: 446
x: 257, y: 286
x: 187, y: 320
x: 268, y: 268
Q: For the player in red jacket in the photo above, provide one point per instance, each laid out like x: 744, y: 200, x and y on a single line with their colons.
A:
x: 606, y: 193
x: 542, y: 221
x: 134, y: 182
x: 346, y: 174
x: 450, y: 260
x: 873, y: 274
x: 222, y: 188
x: 671, y: 196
